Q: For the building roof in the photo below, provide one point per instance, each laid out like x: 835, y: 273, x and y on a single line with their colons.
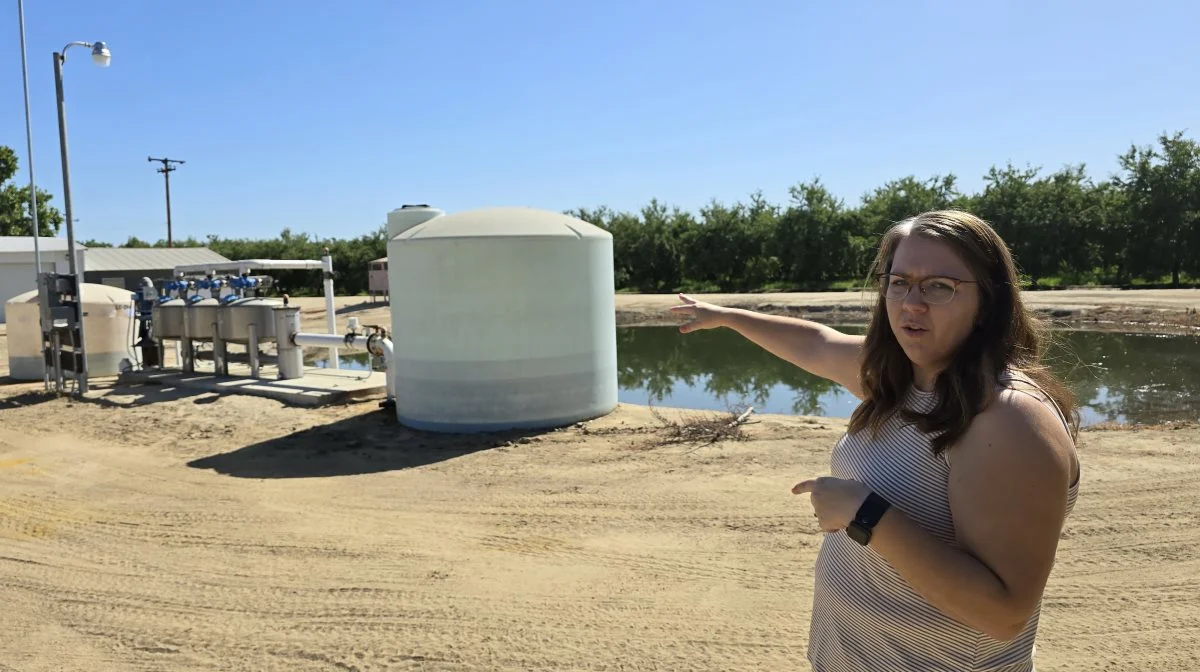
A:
x: 11, y: 244
x: 147, y: 258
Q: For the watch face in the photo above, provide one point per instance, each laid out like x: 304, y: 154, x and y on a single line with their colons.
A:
x: 858, y: 534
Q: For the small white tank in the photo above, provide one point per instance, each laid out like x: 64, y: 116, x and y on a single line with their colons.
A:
x: 108, y: 332
x: 407, y: 216
x: 502, y: 318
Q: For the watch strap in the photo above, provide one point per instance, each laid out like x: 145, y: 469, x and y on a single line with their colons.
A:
x: 871, y: 511
x: 868, y: 515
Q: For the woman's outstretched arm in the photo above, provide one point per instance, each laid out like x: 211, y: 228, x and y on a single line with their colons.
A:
x: 819, y: 349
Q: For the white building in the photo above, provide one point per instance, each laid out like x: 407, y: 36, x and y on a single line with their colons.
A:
x: 125, y: 267
x: 18, y: 272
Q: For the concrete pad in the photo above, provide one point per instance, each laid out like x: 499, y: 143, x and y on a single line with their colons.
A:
x: 317, y: 387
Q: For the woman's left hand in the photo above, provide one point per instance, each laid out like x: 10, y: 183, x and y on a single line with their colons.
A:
x: 835, y: 500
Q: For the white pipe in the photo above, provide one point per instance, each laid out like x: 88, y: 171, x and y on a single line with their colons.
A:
x: 330, y: 314
x: 380, y: 347
x: 358, y: 342
x: 290, y: 357
x: 247, y: 265
x: 389, y: 375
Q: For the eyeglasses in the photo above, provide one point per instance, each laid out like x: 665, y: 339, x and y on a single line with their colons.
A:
x: 935, y: 290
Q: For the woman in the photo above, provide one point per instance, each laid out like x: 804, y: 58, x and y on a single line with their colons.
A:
x: 951, y: 486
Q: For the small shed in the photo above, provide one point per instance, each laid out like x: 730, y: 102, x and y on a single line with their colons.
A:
x: 377, y: 278
x: 124, y: 267
x: 18, y: 268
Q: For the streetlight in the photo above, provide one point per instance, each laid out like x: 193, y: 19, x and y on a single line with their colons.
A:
x: 101, y: 57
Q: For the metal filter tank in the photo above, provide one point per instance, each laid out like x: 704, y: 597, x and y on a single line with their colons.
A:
x: 108, y: 332
x: 200, y: 318
x: 167, y: 317
x: 237, y: 316
x: 501, y: 318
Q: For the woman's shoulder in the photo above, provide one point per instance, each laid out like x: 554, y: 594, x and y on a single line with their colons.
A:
x: 1017, y: 430
x: 1014, y: 378
x: 1018, y: 405
x: 1014, y: 384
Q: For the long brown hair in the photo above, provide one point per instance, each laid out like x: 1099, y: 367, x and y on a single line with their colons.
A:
x: 1006, y: 336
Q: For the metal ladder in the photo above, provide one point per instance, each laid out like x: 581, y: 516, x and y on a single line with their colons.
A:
x: 62, y: 333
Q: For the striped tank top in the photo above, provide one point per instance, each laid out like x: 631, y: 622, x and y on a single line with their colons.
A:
x: 865, y: 615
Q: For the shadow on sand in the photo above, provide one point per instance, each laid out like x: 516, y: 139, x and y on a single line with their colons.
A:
x: 362, y: 444
x: 360, y: 307
x: 112, y: 394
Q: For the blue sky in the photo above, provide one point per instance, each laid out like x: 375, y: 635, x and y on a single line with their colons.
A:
x: 323, y: 116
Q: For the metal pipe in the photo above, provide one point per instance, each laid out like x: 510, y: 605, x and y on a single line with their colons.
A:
x: 380, y: 347
x: 220, y: 364
x: 247, y: 265
x: 252, y: 349
x: 66, y: 169
x: 290, y: 357
x: 58, y: 371
x: 330, y: 313
x: 389, y: 364
x: 187, y: 352
x: 355, y: 342
x: 81, y: 376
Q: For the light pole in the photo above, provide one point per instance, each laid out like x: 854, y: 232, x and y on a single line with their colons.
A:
x: 37, y: 250
x: 101, y: 57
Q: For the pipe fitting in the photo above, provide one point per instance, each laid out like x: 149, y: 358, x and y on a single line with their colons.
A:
x: 375, y: 344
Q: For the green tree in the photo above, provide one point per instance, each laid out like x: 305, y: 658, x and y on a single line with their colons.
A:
x: 646, y: 246
x: 1109, y: 228
x: 815, y: 240
x: 1009, y: 203
x: 729, y: 246
x: 1162, y: 186
x: 894, y: 202
x: 906, y: 197
x: 15, y: 218
x: 1067, y: 233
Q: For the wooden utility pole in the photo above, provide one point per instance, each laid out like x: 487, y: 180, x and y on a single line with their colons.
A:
x: 166, y: 171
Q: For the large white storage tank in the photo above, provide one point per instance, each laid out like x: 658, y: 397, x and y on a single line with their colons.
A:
x: 502, y: 318
x: 108, y: 331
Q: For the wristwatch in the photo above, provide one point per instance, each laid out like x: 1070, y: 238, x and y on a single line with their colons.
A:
x: 872, y: 509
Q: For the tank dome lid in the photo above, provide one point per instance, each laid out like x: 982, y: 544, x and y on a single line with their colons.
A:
x: 502, y: 222
x: 92, y: 293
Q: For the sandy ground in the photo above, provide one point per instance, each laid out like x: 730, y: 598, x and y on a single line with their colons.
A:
x: 148, y: 528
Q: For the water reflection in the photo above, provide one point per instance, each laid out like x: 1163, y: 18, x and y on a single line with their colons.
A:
x: 1136, y: 378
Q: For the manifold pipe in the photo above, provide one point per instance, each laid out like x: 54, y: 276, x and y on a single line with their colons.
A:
x: 380, y: 347
x: 247, y: 265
